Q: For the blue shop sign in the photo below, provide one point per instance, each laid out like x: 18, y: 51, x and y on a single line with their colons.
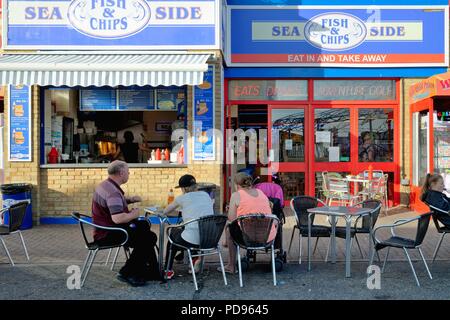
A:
x: 112, y: 24
x: 19, y: 123
x: 337, y: 36
x: 203, y: 118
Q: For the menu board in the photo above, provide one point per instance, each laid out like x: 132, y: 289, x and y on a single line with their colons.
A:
x: 203, y: 118
x: 136, y: 99
x: 19, y: 123
x: 166, y: 99
x: 98, y: 99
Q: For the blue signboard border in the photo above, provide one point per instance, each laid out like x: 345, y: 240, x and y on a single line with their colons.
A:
x: 30, y: 145
x: 212, y: 156
x: 227, y: 56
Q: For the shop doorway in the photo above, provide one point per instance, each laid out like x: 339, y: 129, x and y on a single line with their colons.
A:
x: 288, y: 145
x: 249, y: 118
x: 305, y: 140
x: 430, y: 145
x: 315, y: 127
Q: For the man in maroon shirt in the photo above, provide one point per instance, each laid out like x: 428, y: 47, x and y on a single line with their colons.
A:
x: 110, y: 209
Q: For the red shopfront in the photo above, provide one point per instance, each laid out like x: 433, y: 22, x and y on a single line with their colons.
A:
x: 321, y: 125
x: 430, y: 133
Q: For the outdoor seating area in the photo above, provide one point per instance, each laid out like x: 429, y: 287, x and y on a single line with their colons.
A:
x: 148, y: 241
x: 308, y: 217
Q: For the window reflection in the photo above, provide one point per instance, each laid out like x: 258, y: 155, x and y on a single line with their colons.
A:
x: 288, y: 134
x: 293, y: 184
x: 376, y: 139
x: 332, y: 135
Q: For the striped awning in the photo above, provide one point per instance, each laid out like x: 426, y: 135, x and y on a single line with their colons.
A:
x: 103, y: 69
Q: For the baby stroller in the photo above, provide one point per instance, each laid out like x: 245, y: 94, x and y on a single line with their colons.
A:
x: 280, y: 254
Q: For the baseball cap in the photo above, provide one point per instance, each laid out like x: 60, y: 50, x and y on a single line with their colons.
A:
x: 186, y: 181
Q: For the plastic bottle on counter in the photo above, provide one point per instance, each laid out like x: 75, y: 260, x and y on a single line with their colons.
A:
x: 153, y: 155
x: 180, y: 156
x: 170, y: 197
x: 167, y: 154
x: 53, y: 156
x: 158, y: 154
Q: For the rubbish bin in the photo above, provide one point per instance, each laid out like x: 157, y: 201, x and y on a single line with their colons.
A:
x: 16, y: 192
x: 208, y: 187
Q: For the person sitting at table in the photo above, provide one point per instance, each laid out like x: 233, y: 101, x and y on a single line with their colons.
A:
x: 110, y: 209
x: 433, y: 194
x: 246, y: 200
x: 193, y: 204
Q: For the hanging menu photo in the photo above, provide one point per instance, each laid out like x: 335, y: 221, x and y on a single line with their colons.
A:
x: 136, y: 99
x: 19, y: 123
x: 166, y: 99
x: 98, y: 100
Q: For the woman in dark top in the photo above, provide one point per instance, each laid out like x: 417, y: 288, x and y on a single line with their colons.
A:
x: 129, y: 149
x: 432, y: 194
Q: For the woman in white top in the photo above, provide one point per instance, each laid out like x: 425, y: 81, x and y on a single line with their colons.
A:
x: 193, y: 204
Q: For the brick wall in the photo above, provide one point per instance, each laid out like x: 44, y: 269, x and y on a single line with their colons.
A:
x: 67, y: 190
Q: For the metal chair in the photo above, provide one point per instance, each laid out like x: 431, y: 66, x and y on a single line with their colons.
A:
x: 92, y: 246
x: 338, y: 189
x: 436, y: 213
x: 367, y: 223
x: 381, y: 192
x: 16, y: 214
x: 126, y: 251
x: 378, y: 188
x: 399, y: 242
x: 300, y: 205
x: 210, y: 230
x: 253, y: 232
x: 326, y: 184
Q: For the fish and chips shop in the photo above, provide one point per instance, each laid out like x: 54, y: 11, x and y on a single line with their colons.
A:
x: 330, y: 83
x: 323, y: 87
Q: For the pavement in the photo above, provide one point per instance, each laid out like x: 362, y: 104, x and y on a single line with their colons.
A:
x: 54, y: 248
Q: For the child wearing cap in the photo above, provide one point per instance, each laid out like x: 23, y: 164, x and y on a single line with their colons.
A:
x: 193, y: 204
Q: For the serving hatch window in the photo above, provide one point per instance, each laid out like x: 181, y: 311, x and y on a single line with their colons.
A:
x: 102, y: 124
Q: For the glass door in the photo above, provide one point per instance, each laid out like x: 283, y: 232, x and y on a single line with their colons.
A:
x: 332, y: 144
x: 347, y: 140
x: 420, y: 147
x: 288, y: 147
